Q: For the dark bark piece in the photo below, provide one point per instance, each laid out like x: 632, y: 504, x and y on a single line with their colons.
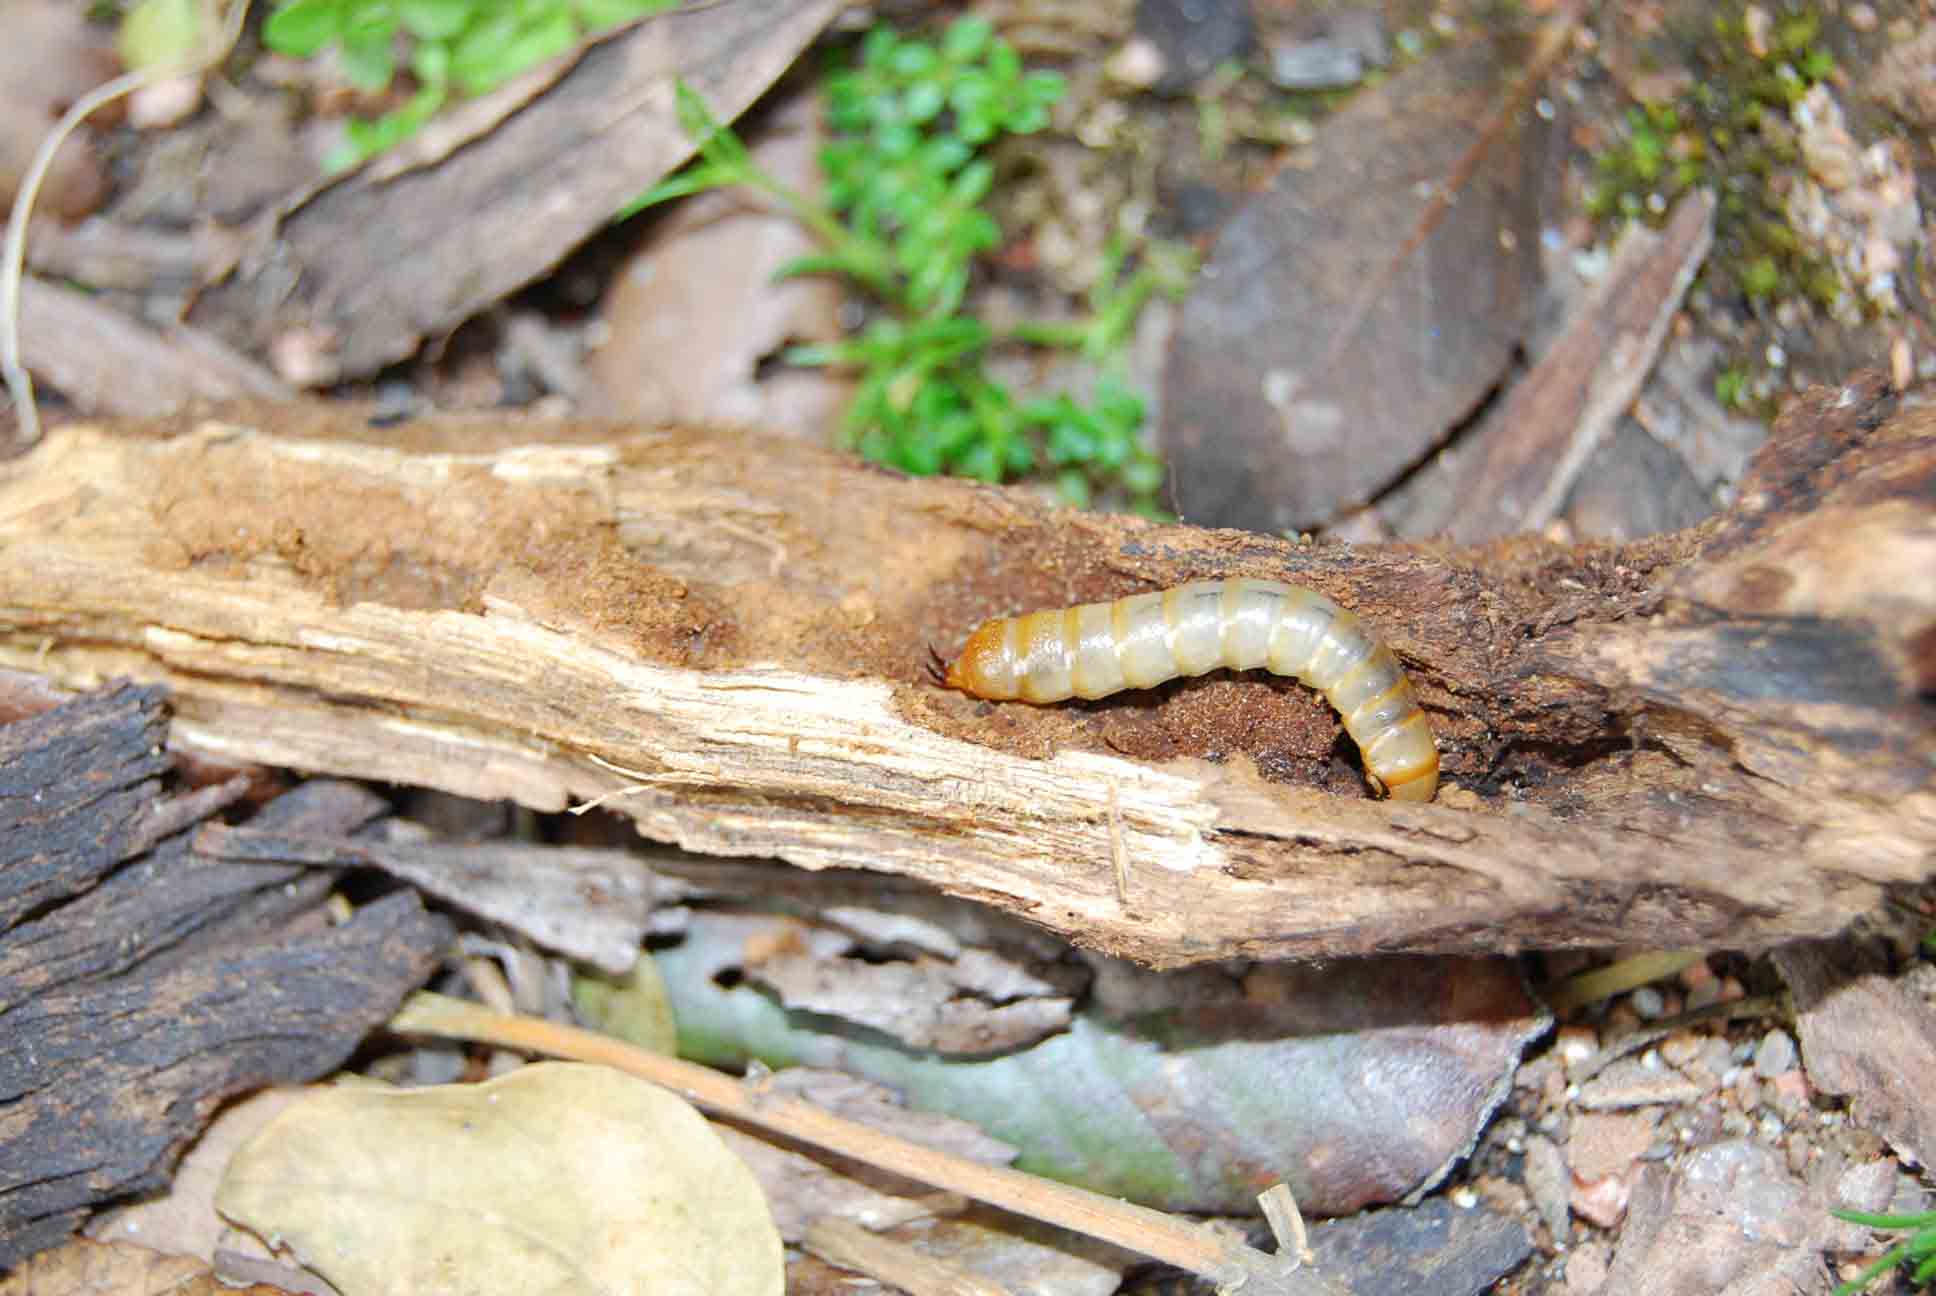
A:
x: 1717, y: 737
x: 77, y: 784
x: 176, y: 903
x: 413, y: 245
x: 1349, y: 314
x: 139, y: 987
x: 102, y: 1086
x: 1422, y: 1250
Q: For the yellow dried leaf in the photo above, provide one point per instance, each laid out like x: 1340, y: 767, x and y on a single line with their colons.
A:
x: 557, y: 1178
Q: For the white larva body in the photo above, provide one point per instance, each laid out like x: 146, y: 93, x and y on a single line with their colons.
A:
x: 1138, y: 642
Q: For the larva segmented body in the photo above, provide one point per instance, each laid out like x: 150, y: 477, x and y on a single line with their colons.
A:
x: 1138, y: 642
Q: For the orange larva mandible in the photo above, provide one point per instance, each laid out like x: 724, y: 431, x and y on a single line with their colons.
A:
x: 1138, y: 642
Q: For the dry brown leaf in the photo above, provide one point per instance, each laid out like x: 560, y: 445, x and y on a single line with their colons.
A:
x: 556, y: 1178
x: 696, y: 313
x: 1359, y: 306
x: 51, y: 56
x: 83, y: 1268
x: 590, y: 904
x: 968, y: 1001
x: 183, y: 1222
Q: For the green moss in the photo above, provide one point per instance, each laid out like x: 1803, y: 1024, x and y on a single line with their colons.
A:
x: 1729, y: 132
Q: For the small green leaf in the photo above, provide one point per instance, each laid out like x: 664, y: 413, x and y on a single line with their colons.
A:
x: 913, y: 60
x: 981, y: 462
x: 1143, y: 476
x: 878, y: 46
x: 973, y: 185
x: 1042, y: 89
x: 897, y: 142
x: 435, y: 20
x: 922, y: 103
x: 967, y: 39
x: 492, y: 52
x: 369, y: 54
x: 300, y: 28
x: 430, y: 64
x: 477, y: 57
x: 159, y: 33
x: 597, y: 15
x: 692, y: 180
x: 826, y: 263
x: 1004, y: 64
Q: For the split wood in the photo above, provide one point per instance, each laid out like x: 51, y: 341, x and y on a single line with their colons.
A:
x: 1721, y: 737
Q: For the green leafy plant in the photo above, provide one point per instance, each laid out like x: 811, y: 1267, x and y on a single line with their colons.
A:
x: 464, y: 47
x: 1917, y: 1250
x: 903, y: 218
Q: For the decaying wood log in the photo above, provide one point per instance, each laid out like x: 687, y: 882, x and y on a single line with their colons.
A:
x: 1724, y: 736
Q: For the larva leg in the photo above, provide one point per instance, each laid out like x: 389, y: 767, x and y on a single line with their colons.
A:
x: 1138, y: 642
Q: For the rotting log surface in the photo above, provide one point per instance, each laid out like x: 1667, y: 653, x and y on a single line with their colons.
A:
x: 1724, y: 736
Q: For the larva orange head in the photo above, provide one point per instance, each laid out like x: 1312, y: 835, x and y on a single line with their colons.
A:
x: 987, y: 667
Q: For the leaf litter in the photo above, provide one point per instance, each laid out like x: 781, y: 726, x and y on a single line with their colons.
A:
x: 555, y: 1178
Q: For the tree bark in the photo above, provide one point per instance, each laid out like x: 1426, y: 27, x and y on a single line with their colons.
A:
x: 142, y: 982
x: 1724, y: 736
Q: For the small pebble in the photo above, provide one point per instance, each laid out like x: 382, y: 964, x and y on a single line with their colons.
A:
x: 1575, y: 1044
x: 1648, y: 1002
x: 1549, y: 1185
x: 1705, y: 993
x: 1316, y: 65
x: 1775, y: 1054
x: 1139, y: 64
x: 1586, y: 1268
x: 1695, y: 975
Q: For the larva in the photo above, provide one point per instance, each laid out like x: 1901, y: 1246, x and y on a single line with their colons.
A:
x: 1138, y: 642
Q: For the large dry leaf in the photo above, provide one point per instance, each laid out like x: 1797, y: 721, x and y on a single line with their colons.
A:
x: 1355, y: 1083
x: 556, y: 1178
x: 1359, y: 306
